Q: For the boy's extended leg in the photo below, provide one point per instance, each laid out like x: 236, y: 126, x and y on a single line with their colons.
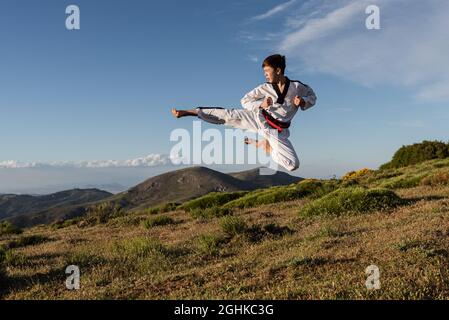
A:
x: 236, y: 118
x: 183, y: 113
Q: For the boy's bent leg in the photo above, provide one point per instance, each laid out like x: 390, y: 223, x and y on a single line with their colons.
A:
x: 282, y: 151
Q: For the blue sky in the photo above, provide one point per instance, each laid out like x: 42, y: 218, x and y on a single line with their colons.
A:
x: 103, y: 93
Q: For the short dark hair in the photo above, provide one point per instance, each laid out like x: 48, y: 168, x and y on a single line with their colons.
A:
x: 275, y: 61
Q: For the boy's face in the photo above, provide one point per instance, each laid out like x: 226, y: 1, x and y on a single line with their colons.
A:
x: 270, y: 74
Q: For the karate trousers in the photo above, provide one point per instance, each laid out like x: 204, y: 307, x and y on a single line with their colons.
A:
x: 282, y: 151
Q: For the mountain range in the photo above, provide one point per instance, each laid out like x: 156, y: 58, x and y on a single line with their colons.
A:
x: 174, y: 186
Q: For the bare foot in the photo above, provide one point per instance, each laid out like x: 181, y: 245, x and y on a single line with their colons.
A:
x: 251, y: 141
x: 176, y: 113
x: 184, y: 113
x: 262, y: 143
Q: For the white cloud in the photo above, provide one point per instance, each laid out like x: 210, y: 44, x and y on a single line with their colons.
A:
x: 275, y: 10
x: 410, y: 50
x: 317, y: 28
x: 147, y: 161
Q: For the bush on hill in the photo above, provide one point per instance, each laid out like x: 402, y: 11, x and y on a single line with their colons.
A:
x: 417, y: 153
x: 351, y: 201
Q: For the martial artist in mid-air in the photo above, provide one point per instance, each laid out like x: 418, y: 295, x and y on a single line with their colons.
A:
x: 268, y: 111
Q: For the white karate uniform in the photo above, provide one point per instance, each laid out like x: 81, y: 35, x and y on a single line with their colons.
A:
x: 251, y: 118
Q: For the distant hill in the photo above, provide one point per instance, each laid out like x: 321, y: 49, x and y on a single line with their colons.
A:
x: 174, y: 186
x: 189, y: 183
x: 109, y: 187
x: 20, y: 208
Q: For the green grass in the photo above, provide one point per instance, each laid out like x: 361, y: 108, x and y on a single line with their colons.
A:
x: 232, y: 225
x: 402, y: 182
x: 103, y: 212
x: 352, y: 200
x: 431, y: 173
x: 209, y: 244
x: 209, y: 213
x: 82, y: 259
x: 317, y: 188
x: 213, y: 199
x: 306, y: 188
x: 158, y: 221
x: 140, y: 254
x: 165, y: 207
x: 15, y: 259
x: 65, y: 224
x: 27, y: 241
x: 271, y: 195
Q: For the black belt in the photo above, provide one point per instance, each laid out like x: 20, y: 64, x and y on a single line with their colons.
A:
x: 274, y: 123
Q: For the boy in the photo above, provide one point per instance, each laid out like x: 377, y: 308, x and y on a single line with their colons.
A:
x: 268, y: 110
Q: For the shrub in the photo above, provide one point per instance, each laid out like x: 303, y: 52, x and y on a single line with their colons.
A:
x: 349, y: 183
x: 417, y: 153
x: 209, y: 213
x: 158, y: 221
x: 166, y: 207
x: 7, y: 227
x: 352, y: 200
x: 103, y: 212
x: 213, y: 199
x: 209, y: 244
x: 65, y: 223
x: 153, y: 210
x: 357, y: 174
x: 232, y: 225
x: 316, y: 188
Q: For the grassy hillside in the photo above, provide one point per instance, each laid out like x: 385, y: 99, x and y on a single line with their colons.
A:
x: 307, y: 240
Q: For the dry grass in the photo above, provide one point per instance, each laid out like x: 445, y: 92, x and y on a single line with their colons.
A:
x: 276, y: 255
x: 320, y: 258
